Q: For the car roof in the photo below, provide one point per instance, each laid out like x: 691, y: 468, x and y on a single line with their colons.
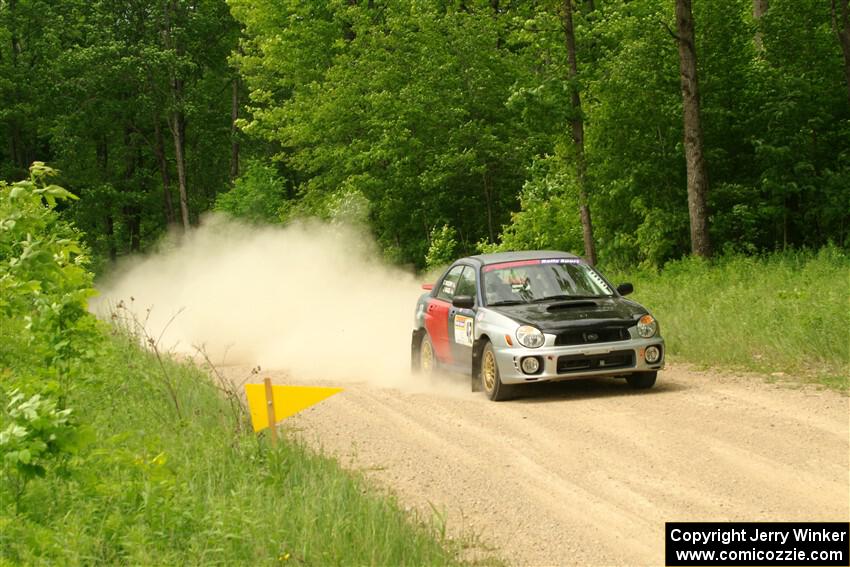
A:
x: 499, y: 257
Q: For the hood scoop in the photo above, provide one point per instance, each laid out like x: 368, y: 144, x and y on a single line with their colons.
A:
x: 574, y: 304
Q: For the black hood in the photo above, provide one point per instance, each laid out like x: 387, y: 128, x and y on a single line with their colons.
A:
x: 556, y: 316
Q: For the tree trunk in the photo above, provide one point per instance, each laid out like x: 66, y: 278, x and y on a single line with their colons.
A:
x: 159, y: 150
x: 488, y: 200
x: 16, y: 143
x: 130, y: 210
x: 177, y: 124
x: 133, y: 219
x: 577, y: 126
x: 13, y: 28
x: 102, y: 158
x: 694, y: 156
x: 110, y: 238
x: 101, y: 152
x: 176, y: 118
x: 841, y: 25
x: 759, y: 10
x: 234, y: 132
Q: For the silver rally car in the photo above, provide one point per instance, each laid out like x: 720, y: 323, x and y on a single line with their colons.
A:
x: 518, y: 317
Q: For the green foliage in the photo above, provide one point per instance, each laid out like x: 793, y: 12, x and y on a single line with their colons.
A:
x: 346, y: 205
x: 258, y: 195
x: 548, y: 218
x: 334, y: 86
x: 349, y: 207
x: 37, y: 435
x: 38, y: 251
x: 44, y: 283
x: 92, y: 88
x: 775, y: 125
x: 45, y: 330
x: 783, y: 312
x: 406, y: 115
x: 442, y: 250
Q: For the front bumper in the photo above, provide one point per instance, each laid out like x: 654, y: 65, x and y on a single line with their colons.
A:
x: 568, y: 362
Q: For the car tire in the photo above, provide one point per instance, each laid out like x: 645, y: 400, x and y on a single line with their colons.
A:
x: 642, y: 380
x: 426, y: 362
x: 491, y: 382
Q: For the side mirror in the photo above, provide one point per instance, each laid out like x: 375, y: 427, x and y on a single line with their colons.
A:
x: 427, y: 286
x: 625, y: 288
x: 463, y: 302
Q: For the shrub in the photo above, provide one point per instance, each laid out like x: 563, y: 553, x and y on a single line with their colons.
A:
x: 442, y: 248
x: 784, y: 312
x: 257, y: 196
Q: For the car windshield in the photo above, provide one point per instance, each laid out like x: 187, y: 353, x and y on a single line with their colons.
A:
x: 550, y: 279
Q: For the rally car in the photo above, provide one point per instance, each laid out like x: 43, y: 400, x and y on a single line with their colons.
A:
x: 517, y: 317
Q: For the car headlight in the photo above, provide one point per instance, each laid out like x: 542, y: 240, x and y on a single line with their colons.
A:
x: 530, y: 337
x: 647, y: 326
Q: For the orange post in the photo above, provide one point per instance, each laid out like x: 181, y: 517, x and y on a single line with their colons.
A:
x: 270, y: 409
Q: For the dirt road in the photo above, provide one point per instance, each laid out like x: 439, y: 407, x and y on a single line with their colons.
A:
x: 588, y: 472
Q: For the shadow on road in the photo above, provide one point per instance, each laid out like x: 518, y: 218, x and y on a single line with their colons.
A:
x: 591, y: 388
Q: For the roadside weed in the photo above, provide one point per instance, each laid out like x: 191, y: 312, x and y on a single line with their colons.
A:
x: 785, y: 313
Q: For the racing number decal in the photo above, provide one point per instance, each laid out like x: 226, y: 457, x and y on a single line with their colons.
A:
x: 463, y: 330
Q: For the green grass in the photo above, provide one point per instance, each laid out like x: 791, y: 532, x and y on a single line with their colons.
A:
x: 782, y: 313
x: 152, y: 488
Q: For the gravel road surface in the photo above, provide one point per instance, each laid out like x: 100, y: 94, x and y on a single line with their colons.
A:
x: 587, y: 472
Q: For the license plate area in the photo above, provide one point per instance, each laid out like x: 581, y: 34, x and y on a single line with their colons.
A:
x: 589, y: 362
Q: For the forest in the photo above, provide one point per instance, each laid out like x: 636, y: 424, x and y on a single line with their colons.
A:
x: 631, y: 131
x: 698, y: 148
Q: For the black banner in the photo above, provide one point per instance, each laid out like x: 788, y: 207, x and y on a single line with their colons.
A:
x: 757, y: 543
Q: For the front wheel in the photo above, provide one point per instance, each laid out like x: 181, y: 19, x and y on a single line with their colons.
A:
x: 642, y: 380
x: 490, y: 380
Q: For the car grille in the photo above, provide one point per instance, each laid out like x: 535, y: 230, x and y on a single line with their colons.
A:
x: 583, y: 363
x: 591, y: 336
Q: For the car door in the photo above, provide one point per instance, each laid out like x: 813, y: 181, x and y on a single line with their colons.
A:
x: 437, y: 315
x: 462, y: 321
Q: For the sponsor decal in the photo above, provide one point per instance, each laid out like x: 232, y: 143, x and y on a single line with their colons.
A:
x: 561, y: 261
x: 464, y: 327
x: 519, y: 263
x: 516, y: 264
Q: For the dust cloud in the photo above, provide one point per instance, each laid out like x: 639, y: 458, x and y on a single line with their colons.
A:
x: 311, y: 299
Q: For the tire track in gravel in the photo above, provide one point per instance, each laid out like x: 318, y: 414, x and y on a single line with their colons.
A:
x: 587, y: 472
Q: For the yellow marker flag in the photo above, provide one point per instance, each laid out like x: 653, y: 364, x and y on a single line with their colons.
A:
x: 288, y: 400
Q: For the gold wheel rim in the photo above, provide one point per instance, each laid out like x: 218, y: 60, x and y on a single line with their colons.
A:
x: 426, y: 357
x: 488, y: 371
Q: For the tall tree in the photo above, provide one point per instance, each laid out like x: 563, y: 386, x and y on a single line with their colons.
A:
x: 177, y: 116
x: 162, y: 162
x: 759, y: 10
x: 234, y: 131
x: 694, y: 152
x: 577, y: 127
x: 841, y: 25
